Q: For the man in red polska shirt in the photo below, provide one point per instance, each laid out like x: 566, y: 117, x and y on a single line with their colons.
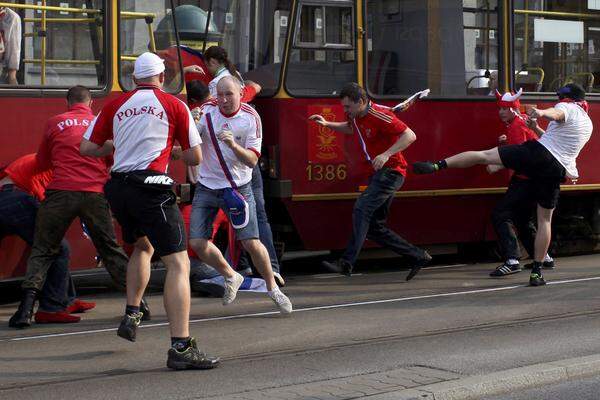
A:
x: 383, y: 137
x: 76, y: 190
x: 516, y: 207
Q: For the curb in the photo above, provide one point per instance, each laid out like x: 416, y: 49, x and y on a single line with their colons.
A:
x: 476, y: 387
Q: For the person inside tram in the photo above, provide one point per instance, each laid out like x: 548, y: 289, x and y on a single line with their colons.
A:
x: 10, y: 45
x: 493, y: 83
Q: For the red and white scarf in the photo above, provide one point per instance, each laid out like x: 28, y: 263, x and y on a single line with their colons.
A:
x: 582, y: 103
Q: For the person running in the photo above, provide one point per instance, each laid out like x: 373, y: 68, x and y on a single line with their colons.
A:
x: 383, y: 138
x: 143, y: 125
x: 516, y: 207
x: 546, y: 162
x: 233, y: 137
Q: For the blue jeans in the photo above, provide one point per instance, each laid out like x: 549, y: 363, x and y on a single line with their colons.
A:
x: 264, y: 228
x: 205, y: 207
x: 370, y: 215
x: 17, y: 217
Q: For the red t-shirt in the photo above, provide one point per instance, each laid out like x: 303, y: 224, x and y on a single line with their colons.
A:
x: 518, y: 132
x: 59, y: 151
x: 380, y: 129
x: 27, y: 176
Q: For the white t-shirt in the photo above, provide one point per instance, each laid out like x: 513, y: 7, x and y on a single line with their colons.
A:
x: 10, y: 39
x: 247, y: 132
x: 564, y: 140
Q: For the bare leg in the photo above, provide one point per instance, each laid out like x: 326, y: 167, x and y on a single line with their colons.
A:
x: 471, y: 158
x: 177, y: 293
x: 260, y: 258
x: 544, y: 232
x: 138, y: 271
x: 210, y: 254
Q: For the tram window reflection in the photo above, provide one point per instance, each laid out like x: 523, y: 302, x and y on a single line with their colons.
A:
x: 323, y: 49
x: 556, y: 42
x: 53, y: 48
x: 450, y: 48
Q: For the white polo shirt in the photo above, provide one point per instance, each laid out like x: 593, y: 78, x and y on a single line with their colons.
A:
x: 247, y: 132
x: 564, y: 140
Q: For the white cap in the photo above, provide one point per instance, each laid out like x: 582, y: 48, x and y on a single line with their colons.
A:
x: 147, y: 65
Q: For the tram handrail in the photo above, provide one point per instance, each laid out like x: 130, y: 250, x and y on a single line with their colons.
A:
x: 43, y: 20
x: 44, y: 8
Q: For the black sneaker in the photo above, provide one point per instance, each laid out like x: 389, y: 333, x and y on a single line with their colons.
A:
x: 545, y: 265
x: 129, y: 325
x: 145, y: 310
x: 536, y: 280
x: 418, y: 265
x: 191, y: 358
x: 506, y: 269
x: 340, y: 267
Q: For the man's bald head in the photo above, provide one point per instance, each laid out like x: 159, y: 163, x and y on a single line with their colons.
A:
x: 229, y: 94
x: 229, y: 80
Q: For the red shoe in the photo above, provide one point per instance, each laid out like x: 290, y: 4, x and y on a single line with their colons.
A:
x: 79, y: 306
x: 59, y: 317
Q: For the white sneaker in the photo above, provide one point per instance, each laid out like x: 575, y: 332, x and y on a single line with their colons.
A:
x: 282, y: 301
x: 231, y: 288
x: 279, y: 279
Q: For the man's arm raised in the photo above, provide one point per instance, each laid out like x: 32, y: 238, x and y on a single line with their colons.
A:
x: 343, y: 127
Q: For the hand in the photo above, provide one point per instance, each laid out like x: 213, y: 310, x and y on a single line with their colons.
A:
x: 379, y: 161
x: 502, y: 138
x: 532, y: 123
x: 227, y: 138
x: 196, y: 114
x: 492, y: 169
x: 176, y: 153
x: 196, y: 69
x: 534, y: 113
x: 319, y: 119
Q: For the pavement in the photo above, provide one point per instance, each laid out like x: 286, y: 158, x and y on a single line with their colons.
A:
x: 451, y: 333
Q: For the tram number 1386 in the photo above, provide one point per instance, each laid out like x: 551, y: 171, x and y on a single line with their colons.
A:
x: 326, y: 172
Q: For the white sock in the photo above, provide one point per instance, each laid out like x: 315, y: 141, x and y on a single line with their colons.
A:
x: 512, y: 261
x: 548, y: 258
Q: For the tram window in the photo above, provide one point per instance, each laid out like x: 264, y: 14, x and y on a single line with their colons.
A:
x: 148, y: 26
x: 323, y: 50
x: 253, y: 32
x: 58, y: 48
x: 450, y: 47
x: 556, y: 42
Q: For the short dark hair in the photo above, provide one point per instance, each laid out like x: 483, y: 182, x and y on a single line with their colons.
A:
x: 78, y: 94
x: 354, y: 92
x: 572, y: 91
x: 197, y: 91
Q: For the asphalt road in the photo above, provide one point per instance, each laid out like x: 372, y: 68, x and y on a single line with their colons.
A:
x: 449, y: 318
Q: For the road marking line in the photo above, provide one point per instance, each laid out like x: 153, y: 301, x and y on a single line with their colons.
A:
x: 316, y: 308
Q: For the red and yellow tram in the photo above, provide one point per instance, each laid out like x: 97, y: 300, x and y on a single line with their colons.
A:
x: 301, y: 52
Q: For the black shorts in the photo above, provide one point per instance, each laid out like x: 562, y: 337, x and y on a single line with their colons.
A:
x: 539, y: 165
x: 147, y: 212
